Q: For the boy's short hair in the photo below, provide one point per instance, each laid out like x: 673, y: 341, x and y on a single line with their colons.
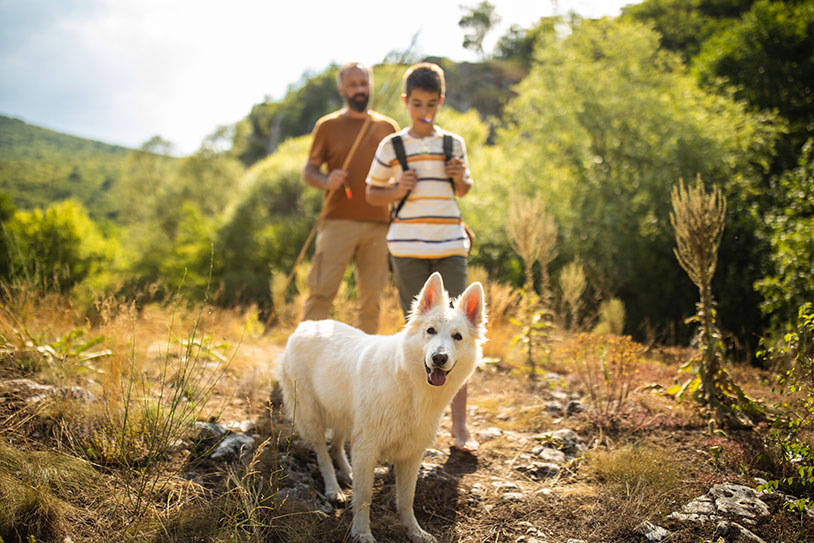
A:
x: 349, y: 66
x: 425, y: 76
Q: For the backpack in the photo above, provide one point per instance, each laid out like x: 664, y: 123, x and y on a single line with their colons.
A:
x: 401, y: 155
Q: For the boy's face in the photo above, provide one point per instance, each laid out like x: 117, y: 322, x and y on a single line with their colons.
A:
x: 422, y: 106
x: 355, y: 89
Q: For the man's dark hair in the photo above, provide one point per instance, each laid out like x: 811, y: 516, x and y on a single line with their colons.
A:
x: 425, y: 76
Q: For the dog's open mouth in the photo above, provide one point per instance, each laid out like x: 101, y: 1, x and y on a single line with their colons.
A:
x: 436, y: 376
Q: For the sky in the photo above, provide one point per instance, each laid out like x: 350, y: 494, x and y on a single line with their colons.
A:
x: 123, y: 71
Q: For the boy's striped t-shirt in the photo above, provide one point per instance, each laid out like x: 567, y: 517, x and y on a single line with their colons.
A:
x: 429, y: 223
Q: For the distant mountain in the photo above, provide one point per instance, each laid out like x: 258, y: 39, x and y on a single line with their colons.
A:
x: 40, y: 166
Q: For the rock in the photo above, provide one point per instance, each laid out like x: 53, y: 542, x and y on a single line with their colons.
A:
x: 559, y: 395
x: 740, y: 501
x: 232, y: 447
x: 434, y: 471
x: 488, y: 434
x: 434, y: 453
x: 243, y: 426
x: 505, y: 485
x: 724, y: 499
x: 34, y: 392
x: 540, y: 470
x: 209, y: 430
x: 702, y: 505
x: 726, y: 529
x: 552, y: 456
x: 568, y: 441
x: 652, y: 532
x: 512, y: 497
x: 574, y: 406
x: 300, y: 492
x: 477, y: 492
x: 555, y: 408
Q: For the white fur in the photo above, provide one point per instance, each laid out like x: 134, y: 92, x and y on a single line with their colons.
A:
x: 375, y: 392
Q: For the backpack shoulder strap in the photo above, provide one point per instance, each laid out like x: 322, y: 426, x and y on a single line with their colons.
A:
x: 447, y: 147
x: 448, y: 154
x: 401, y: 155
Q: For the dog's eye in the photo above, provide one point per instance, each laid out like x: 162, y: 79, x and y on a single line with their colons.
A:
x: 431, y: 331
x: 457, y: 336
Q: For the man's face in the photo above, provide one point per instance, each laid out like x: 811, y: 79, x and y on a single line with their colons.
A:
x: 355, y: 89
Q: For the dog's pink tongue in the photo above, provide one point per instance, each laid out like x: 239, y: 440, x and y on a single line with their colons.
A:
x: 438, y: 377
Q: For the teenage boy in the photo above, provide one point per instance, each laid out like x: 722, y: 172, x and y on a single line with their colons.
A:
x: 350, y: 227
x: 426, y: 233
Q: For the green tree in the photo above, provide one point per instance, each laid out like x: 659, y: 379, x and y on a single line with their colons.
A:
x: 603, y: 125
x: 518, y: 43
x: 789, y: 229
x: 264, y: 232
x: 684, y: 25
x: 175, y: 206
x: 57, y: 248
x: 478, y: 20
x: 766, y: 56
x: 6, y: 213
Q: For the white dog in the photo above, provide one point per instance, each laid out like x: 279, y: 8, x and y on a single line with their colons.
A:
x: 384, y: 393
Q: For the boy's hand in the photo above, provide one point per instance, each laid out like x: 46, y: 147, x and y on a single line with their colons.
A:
x: 336, y: 179
x: 455, y: 169
x: 407, y: 181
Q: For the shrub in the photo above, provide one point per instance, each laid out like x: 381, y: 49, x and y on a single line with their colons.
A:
x: 793, y: 427
x: 56, y: 248
x: 605, y: 366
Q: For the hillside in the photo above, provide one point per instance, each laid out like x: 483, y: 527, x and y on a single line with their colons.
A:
x: 39, y: 166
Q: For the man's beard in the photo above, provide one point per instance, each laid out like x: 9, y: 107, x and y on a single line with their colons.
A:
x: 358, y: 102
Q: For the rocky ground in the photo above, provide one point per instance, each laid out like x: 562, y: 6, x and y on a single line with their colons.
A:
x: 531, y: 480
x: 537, y: 477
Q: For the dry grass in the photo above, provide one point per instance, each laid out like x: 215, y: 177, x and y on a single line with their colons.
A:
x: 656, y: 456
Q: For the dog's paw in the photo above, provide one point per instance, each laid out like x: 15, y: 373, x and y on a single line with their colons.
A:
x: 417, y: 535
x: 363, y: 538
x: 337, y: 498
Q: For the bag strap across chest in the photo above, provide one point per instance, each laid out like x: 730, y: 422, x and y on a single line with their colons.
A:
x: 401, y: 155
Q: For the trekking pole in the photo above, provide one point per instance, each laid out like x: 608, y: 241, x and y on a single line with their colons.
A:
x: 345, y: 165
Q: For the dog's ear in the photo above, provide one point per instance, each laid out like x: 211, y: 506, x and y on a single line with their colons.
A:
x: 431, y: 295
x: 471, y: 304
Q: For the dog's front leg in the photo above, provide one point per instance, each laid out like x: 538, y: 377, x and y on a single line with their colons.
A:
x: 406, y: 475
x: 364, y: 464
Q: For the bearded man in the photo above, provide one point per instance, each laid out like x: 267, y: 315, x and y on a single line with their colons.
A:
x: 350, y: 227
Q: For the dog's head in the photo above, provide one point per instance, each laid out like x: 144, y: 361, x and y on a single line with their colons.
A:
x: 447, y: 335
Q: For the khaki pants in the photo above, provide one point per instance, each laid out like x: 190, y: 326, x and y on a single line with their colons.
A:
x: 338, y: 241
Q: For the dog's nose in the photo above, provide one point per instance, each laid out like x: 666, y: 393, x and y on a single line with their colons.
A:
x: 439, y: 359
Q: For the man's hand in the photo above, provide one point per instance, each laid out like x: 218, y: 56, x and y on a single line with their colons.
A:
x: 335, y: 179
